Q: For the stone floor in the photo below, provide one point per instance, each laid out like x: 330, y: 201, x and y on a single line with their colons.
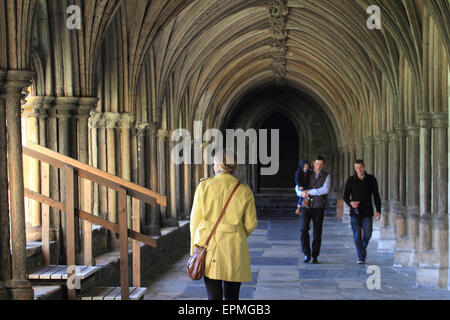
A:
x: 280, y: 274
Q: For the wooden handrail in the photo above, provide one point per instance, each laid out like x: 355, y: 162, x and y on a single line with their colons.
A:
x: 74, y: 169
x: 90, y: 217
x: 96, y: 175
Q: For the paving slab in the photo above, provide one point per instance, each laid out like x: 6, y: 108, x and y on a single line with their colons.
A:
x: 279, y: 273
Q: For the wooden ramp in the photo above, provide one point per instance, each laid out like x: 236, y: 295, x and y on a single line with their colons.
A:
x: 113, y: 293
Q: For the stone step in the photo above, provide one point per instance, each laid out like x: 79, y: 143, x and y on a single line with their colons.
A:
x: 53, y: 292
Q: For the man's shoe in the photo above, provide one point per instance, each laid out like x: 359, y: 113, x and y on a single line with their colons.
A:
x: 315, y: 261
x: 307, y: 259
x: 361, y: 262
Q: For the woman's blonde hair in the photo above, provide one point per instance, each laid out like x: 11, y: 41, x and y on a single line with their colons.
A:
x: 227, y: 160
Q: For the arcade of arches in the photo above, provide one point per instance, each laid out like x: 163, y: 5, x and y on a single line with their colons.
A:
x: 111, y: 93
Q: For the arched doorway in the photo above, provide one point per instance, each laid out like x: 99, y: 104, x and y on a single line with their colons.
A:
x: 288, y: 153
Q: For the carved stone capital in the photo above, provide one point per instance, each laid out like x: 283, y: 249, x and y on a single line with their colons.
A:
x: 126, y: 121
x: 425, y: 120
x: 163, y: 135
x: 14, y: 84
x: 94, y: 120
x: 35, y: 107
x: 63, y: 107
x: 85, y: 106
x: 439, y: 119
x: 110, y: 120
x: 141, y: 128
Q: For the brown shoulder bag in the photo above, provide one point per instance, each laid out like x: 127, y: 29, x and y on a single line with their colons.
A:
x: 196, y: 263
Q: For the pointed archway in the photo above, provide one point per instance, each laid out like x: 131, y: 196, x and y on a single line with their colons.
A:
x: 288, y: 151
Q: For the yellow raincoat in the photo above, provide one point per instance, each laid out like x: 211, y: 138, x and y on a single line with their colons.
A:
x: 228, y: 256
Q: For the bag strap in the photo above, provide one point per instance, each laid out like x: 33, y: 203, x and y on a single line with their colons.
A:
x: 223, y: 212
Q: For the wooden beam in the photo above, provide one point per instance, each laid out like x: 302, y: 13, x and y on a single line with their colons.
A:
x: 45, y: 189
x: 70, y: 225
x: 87, y: 225
x: 45, y: 200
x: 136, y: 245
x: 123, y: 234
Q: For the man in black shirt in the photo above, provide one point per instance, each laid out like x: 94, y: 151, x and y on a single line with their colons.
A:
x: 358, y: 193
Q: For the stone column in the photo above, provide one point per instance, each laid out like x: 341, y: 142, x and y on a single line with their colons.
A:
x: 167, y: 219
x: 82, y: 114
x: 32, y: 111
x: 94, y: 154
x: 408, y: 221
x: 125, y: 124
x: 5, y: 253
x: 48, y: 231
x: 383, y: 178
x: 400, y: 223
x: 63, y: 108
x: 369, y: 154
x: 343, y: 176
x: 387, y: 230
x: 19, y: 286
x: 433, y: 266
x: 425, y: 186
x: 174, y: 182
x: 111, y: 119
x: 378, y: 147
x: 140, y: 131
x: 155, y: 211
x: 188, y: 186
x: 360, y: 149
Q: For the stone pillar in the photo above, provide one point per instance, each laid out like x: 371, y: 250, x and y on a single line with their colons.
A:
x: 400, y: 223
x: 425, y: 186
x: 407, y: 241
x: 155, y: 211
x: 63, y: 108
x: 111, y: 119
x: 32, y: 111
x: 167, y: 218
x: 94, y: 147
x: 369, y: 154
x: 82, y: 114
x: 378, y: 147
x: 433, y: 265
x: 174, y: 181
x: 387, y: 230
x: 19, y: 286
x: 360, y: 149
x: 187, y: 196
x: 5, y: 253
x: 140, y: 131
x: 125, y: 124
x: 343, y: 176
x: 55, y: 216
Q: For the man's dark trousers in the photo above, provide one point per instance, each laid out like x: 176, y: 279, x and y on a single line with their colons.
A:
x: 317, y: 216
x: 362, y: 233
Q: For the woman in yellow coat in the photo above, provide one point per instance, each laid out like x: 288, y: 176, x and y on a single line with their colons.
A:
x: 228, y: 258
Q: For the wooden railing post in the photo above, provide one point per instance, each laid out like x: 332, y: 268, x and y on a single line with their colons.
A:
x: 136, y: 218
x: 87, y: 225
x: 70, y: 226
x: 45, y: 189
x: 123, y: 233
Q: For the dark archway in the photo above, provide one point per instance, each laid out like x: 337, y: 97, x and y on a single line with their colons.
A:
x: 288, y: 152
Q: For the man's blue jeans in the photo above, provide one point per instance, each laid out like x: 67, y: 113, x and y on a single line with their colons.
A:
x: 362, y: 232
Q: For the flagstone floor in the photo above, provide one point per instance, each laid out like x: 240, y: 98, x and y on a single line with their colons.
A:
x: 280, y: 274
